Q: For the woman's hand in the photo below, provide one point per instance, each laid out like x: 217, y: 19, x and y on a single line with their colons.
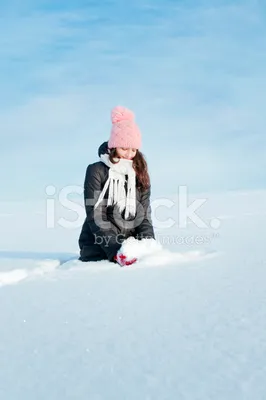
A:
x: 124, y: 260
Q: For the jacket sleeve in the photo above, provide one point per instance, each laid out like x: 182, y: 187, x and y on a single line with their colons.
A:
x: 144, y: 229
x: 110, y: 241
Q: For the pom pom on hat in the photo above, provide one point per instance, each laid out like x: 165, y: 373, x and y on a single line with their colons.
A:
x: 120, y: 113
x: 125, y: 132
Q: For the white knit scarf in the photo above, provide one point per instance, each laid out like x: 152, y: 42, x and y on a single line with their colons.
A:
x: 116, y: 183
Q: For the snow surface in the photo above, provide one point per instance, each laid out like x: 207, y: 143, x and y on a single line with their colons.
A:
x: 187, y: 321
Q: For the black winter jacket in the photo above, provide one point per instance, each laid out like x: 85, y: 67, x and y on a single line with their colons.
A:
x: 101, y: 240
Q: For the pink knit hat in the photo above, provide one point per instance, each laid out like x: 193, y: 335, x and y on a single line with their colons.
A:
x: 125, y: 132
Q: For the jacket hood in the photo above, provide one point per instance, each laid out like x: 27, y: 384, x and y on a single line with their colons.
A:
x: 103, y: 149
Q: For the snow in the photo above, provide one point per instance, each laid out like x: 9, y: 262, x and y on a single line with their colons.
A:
x: 186, y: 321
x: 150, y: 252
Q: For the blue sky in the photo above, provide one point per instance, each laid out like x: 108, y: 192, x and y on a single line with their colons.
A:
x: 194, y: 73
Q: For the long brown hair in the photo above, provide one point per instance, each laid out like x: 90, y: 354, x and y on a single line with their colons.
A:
x: 139, y: 165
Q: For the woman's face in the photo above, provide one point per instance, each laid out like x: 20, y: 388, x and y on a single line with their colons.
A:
x: 128, y: 154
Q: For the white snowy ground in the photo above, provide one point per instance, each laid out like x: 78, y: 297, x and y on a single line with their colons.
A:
x: 188, y: 322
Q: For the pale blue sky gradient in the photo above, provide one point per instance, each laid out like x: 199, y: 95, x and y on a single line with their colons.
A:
x: 194, y: 73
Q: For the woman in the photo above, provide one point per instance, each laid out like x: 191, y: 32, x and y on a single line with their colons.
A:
x: 116, y: 194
